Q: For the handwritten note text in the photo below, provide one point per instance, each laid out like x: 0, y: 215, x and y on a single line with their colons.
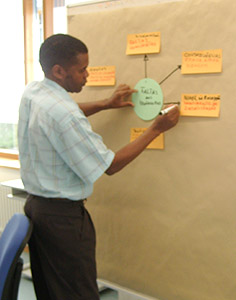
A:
x: 101, y: 76
x: 143, y: 43
x: 197, y: 62
x: 200, y: 105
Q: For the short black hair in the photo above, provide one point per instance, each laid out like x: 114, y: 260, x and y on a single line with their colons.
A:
x: 60, y: 49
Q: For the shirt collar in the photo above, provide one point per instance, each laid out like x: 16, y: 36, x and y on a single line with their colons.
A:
x: 55, y: 86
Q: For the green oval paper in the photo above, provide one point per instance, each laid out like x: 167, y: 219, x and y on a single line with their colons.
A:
x: 148, y: 101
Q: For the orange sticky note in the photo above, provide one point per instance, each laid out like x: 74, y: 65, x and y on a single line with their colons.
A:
x: 101, y: 76
x: 157, y: 143
x: 200, y: 105
x: 197, y: 62
x: 143, y: 43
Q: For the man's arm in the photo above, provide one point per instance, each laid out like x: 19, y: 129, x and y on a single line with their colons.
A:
x: 128, y: 153
x: 117, y: 100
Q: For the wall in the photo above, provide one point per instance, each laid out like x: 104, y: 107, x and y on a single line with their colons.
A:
x: 8, y: 174
x: 8, y: 206
x: 166, y: 224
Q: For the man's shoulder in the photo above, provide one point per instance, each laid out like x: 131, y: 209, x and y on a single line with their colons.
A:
x: 51, y: 102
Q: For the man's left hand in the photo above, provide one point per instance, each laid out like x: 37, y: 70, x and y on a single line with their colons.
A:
x: 120, y: 97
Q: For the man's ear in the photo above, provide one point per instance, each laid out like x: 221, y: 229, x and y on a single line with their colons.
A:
x: 58, y: 72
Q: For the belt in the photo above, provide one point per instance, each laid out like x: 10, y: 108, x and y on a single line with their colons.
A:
x: 61, y: 199
x: 69, y: 200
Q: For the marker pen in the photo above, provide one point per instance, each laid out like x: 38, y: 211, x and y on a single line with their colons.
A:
x: 166, y: 110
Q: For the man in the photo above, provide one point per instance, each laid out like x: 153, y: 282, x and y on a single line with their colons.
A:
x: 61, y: 158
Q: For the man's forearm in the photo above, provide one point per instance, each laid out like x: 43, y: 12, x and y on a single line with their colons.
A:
x: 90, y: 108
x: 117, y: 100
x: 128, y: 153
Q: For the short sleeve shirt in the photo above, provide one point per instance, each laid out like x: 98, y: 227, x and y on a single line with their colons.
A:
x: 60, y: 155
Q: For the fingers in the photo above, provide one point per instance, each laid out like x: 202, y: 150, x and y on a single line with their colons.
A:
x: 167, y: 109
x: 122, y: 96
x: 174, y: 118
x: 168, y: 120
x: 128, y: 103
x: 124, y: 90
x: 173, y: 115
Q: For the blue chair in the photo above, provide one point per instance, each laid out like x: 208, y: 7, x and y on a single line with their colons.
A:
x: 12, y: 243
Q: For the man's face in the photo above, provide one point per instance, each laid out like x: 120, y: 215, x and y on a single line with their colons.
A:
x: 76, y: 75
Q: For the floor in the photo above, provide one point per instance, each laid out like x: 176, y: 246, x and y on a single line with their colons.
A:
x: 26, y: 290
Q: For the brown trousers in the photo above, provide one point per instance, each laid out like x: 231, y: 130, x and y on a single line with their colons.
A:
x: 62, y: 249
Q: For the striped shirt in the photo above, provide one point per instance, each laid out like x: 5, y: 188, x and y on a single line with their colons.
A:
x: 60, y: 155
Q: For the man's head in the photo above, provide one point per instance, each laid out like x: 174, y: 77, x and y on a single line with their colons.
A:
x: 64, y: 59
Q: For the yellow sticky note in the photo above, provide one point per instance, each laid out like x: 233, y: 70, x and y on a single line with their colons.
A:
x: 200, y: 105
x: 101, y: 76
x: 157, y: 143
x: 143, y: 43
x: 198, y: 62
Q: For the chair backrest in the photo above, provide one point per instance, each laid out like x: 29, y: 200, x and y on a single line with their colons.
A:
x: 12, y: 243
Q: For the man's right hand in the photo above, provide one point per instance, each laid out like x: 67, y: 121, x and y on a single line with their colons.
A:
x: 165, y: 122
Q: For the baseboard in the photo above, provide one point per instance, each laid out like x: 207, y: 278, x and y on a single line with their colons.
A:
x: 124, y: 293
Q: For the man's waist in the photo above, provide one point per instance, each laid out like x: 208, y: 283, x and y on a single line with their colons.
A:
x: 58, y: 199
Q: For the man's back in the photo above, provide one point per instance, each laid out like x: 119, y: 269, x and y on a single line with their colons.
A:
x: 56, y: 144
